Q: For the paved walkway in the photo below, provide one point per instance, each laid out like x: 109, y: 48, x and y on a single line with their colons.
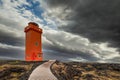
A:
x: 43, y: 72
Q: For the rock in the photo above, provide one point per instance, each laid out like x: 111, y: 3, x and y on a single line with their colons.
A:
x: 17, y: 69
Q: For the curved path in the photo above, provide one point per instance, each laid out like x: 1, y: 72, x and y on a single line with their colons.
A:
x: 43, y: 72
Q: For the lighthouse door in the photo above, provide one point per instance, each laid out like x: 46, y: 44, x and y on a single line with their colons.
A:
x: 34, y: 56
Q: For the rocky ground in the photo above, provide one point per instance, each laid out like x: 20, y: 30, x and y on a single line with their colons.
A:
x: 86, y: 71
x: 20, y: 70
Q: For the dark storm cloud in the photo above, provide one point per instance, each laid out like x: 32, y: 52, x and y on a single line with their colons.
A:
x: 65, y: 55
x: 98, y: 20
x: 51, y: 54
x: 11, y: 39
x: 60, y: 53
x: 11, y: 53
x: 8, y: 34
x: 55, y: 51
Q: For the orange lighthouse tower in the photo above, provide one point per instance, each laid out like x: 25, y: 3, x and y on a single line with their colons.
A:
x: 33, y: 42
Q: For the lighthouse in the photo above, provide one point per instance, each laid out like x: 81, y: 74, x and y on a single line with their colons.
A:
x: 33, y: 42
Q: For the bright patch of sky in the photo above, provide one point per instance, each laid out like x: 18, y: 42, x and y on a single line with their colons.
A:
x: 35, y: 8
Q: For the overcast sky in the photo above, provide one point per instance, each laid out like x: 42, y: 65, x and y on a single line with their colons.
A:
x: 73, y: 30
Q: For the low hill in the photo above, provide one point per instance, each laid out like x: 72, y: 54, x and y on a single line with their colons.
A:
x: 21, y: 70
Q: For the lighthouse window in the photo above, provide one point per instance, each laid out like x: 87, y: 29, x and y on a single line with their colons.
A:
x: 39, y: 55
x: 36, y: 43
